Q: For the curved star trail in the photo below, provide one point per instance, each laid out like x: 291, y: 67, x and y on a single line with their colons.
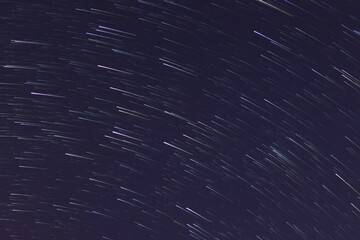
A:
x: 172, y: 119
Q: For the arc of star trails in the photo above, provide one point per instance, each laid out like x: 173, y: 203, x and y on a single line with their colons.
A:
x: 47, y: 95
x: 197, y: 214
x: 178, y: 148
x: 347, y: 184
x: 274, y: 7
x: 355, y: 207
x: 188, y: 210
x: 114, y: 69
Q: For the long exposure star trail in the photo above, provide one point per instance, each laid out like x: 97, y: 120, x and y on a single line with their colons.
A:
x: 180, y: 119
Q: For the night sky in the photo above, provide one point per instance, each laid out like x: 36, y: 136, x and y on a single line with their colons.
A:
x: 180, y: 120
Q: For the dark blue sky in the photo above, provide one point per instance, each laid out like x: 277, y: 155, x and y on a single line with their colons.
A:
x: 204, y: 120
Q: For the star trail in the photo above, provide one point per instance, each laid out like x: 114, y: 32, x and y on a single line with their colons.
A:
x: 180, y: 119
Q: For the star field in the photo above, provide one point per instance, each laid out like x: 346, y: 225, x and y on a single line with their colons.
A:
x: 196, y: 120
